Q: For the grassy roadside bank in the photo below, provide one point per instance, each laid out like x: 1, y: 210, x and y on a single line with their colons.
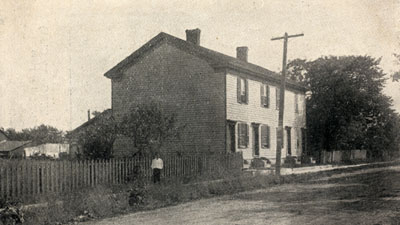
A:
x: 110, y: 201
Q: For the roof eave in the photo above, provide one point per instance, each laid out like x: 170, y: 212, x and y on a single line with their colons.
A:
x: 116, y: 71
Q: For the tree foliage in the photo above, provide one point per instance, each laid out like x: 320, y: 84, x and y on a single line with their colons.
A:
x: 38, y: 135
x: 346, y: 108
x: 148, y: 127
x: 97, y: 138
x: 96, y: 113
x: 396, y: 75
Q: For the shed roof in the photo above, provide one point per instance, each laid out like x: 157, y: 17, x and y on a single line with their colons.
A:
x: 7, y: 146
x: 106, y: 114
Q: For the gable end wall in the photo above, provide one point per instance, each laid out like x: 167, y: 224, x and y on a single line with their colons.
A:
x: 183, y: 85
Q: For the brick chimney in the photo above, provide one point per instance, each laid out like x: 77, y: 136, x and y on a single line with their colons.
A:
x: 241, y: 53
x: 193, y: 36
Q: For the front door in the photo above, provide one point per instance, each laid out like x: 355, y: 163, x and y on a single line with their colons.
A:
x: 289, y: 140
x: 303, y: 141
x: 230, y: 137
x: 256, y: 145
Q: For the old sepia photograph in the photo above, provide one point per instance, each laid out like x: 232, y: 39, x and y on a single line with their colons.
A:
x: 229, y: 112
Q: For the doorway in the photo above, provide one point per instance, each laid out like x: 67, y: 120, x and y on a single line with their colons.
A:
x: 230, y: 137
x: 256, y: 138
x: 289, y: 140
x: 303, y: 141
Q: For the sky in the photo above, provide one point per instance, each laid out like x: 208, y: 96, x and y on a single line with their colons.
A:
x: 54, y: 53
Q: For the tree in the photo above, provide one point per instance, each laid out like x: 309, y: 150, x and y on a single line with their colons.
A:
x: 396, y: 75
x: 38, y: 135
x: 148, y: 127
x: 96, y: 113
x: 45, y: 134
x: 346, y: 108
x: 97, y: 138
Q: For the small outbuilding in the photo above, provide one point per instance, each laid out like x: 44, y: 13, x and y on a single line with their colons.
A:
x: 13, y: 149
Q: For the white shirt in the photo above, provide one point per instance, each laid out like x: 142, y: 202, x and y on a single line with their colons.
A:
x: 157, y: 164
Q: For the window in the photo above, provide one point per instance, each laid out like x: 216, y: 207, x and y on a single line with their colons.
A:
x: 296, y: 103
x: 243, y: 135
x: 277, y: 97
x: 264, y: 89
x: 265, y: 136
x: 242, y: 90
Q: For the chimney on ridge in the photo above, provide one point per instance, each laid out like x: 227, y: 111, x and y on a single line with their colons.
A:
x: 241, y: 53
x: 88, y: 115
x: 193, y: 36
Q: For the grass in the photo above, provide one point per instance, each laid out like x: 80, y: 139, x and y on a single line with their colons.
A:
x: 107, y: 201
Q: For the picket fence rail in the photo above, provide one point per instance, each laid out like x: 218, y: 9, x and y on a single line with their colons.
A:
x: 19, y: 178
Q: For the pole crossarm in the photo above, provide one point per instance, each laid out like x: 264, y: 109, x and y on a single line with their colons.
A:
x: 289, y: 36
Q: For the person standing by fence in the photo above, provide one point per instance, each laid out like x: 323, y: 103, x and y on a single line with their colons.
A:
x: 157, y: 165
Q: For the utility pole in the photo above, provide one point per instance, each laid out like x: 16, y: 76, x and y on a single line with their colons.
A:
x: 279, y: 143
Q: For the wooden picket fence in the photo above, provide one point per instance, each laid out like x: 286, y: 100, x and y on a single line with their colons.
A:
x: 19, y: 178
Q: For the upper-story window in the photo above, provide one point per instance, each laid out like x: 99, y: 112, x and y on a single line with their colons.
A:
x: 265, y: 136
x: 296, y: 103
x: 277, y: 97
x: 243, y: 135
x: 264, y: 89
x: 242, y: 90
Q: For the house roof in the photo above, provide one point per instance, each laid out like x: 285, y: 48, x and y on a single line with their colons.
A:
x: 215, y: 59
x: 106, y: 114
x: 7, y: 146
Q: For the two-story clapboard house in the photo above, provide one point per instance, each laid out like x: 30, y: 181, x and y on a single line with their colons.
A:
x: 225, y: 103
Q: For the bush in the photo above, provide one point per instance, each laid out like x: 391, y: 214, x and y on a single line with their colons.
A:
x: 290, y: 161
x: 260, y: 163
x: 138, y: 193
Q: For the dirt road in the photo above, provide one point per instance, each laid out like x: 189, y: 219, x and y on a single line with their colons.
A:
x: 370, y: 196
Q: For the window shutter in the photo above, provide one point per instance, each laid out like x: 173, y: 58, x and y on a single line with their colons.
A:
x: 243, y: 135
x: 247, y: 90
x: 262, y: 94
x: 267, y: 96
x: 268, y: 135
x: 263, y: 136
x: 247, y: 135
x: 240, y: 135
x: 239, y: 91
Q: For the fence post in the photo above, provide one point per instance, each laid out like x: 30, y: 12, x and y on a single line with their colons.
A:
x: 25, y: 179
x: 8, y: 183
x: 112, y: 171
x: 100, y: 171
x: 2, y: 180
x: 65, y: 175
x: 124, y: 171
x: 37, y: 178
